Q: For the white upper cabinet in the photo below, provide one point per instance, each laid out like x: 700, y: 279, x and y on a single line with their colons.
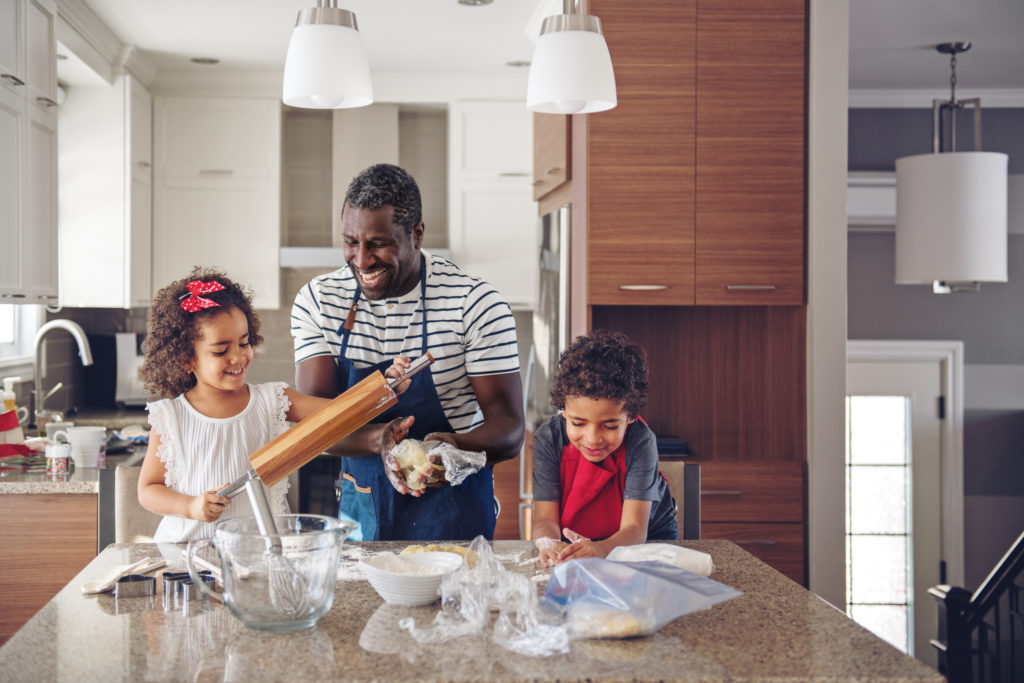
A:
x: 492, y: 215
x: 28, y: 152
x: 105, y: 221
x: 216, y: 191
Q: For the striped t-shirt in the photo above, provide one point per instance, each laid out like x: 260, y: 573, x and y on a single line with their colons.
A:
x: 470, y: 330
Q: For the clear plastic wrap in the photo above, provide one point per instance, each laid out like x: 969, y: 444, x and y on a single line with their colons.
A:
x: 416, y: 458
x: 606, y: 599
x: 470, y: 595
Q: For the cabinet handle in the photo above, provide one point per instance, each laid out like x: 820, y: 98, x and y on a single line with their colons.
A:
x: 215, y: 171
x: 12, y: 79
x: 538, y: 182
x: 643, y: 288
x: 46, y: 102
x: 143, y: 164
x: 512, y: 174
x: 721, y: 492
x: 553, y: 170
x: 751, y: 288
x: 756, y: 541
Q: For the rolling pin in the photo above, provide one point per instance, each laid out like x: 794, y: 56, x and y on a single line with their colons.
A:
x: 329, y: 424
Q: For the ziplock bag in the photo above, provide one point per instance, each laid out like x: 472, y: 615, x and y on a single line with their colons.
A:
x: 606, y: 599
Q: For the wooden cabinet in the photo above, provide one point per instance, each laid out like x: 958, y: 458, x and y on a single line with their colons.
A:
x: 758, y: 506
x: 695, y: 180
x: 47, y: 540
x: 492, y: 215
x: 106, y: 216
x: 751, y: 151
x: 28, y: 152
x: 216, y: 190
x: 551, y: 137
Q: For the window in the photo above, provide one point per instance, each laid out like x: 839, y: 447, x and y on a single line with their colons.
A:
x: 879, y: 538
x: 18, y: 325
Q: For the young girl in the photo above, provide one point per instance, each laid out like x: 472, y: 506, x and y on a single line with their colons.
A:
x: 595, y: 465
x: 199, y: 345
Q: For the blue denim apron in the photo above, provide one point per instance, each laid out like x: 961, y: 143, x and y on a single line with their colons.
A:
x: 446, y: 513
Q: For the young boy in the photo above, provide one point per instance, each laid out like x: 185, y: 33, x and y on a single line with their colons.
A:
x: 595, y: 465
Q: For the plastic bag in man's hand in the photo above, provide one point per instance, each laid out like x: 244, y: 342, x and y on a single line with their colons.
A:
x: 606, y: 599
x: 416, y: 458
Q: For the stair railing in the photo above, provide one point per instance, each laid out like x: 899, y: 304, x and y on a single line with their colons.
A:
x: 981, y: 636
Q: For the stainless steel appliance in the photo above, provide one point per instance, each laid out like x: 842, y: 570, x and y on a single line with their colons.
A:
x: 128, y: 389
x: 550, y: 337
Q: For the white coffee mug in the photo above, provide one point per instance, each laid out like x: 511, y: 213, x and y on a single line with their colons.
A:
x: 54, y: 428
x: 87, y: 442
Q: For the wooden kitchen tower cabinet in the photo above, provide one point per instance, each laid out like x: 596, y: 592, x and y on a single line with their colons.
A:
x: 692, y: 193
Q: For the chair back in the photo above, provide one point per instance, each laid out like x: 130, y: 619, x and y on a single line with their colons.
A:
x: 132, y: 522
x: 684, y: 483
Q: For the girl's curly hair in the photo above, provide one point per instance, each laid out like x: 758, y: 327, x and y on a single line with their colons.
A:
x: 171, y: 331
x: 603, y: 364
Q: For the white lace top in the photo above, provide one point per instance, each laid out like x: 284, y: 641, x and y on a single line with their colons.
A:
x: 201, y: 453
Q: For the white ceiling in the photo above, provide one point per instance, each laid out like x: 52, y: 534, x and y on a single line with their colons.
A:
x: 891, y: 42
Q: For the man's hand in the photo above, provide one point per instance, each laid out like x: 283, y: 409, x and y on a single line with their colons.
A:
x: 393, y: 432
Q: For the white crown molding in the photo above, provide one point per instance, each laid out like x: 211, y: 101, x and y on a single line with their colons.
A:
x: 387, y: 87
x: 134, y: 61
x: 88, y: 37
x: 922, y: 99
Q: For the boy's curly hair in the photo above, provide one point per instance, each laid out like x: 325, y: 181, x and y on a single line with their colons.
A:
x: 171, y: 331
x: 603, y: 364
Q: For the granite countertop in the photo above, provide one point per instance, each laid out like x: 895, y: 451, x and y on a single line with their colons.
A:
x: 80, y: 480
x: 776, y: 630
x: 111, y: 418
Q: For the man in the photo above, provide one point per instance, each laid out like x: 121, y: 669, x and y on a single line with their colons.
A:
x: 393, y: 300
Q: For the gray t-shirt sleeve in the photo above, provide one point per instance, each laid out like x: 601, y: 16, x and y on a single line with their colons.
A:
x: 548, y: 442
x: 641, y: 463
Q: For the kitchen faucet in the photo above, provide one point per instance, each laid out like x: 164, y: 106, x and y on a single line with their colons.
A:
x: 84, y: 352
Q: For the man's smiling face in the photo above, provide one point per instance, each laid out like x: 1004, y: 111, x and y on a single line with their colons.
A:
x: 383, y: 256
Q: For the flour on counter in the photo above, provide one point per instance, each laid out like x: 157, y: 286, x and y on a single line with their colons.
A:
x: 348, y: 563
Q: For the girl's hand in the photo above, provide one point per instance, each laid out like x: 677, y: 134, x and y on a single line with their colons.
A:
x: 209, y: 506
x: 398, y: 368
x: 547, y: 550
x: 579, y: 547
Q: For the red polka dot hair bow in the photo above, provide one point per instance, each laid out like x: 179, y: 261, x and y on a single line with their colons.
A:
x: 194, y: 302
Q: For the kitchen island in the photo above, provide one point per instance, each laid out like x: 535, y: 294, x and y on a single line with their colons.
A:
x: 775, y: 630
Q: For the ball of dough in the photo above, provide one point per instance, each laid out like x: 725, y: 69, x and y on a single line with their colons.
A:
x: 411, y: 456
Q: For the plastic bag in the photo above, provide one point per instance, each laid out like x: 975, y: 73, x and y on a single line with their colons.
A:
x: 413, y: 456
x: 607, y: 599
x: 469, y: 595
x: 684, y: 558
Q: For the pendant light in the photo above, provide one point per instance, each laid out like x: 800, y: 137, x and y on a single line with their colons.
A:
x: 951, y: 206
x: 571, y: 71
x: 326, y: 66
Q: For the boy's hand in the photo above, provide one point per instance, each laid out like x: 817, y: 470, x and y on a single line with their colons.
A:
x: 547, y: 550
x: 209, y: 506
x: 579, y: 547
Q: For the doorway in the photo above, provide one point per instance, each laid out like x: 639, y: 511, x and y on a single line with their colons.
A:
x: 904, y: 529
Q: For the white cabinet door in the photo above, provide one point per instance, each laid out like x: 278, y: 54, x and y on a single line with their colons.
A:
x: 106, y: 207
x: 221, y: 223
x: 12, y: 43
x: 218, y: 137
x: 217, y: 189
x: 41, y: 52
x: 492, y: 216
x: 12, y: 116
x: 39, y: 219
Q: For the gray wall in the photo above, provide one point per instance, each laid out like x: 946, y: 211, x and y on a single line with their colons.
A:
x: 990, y: 323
